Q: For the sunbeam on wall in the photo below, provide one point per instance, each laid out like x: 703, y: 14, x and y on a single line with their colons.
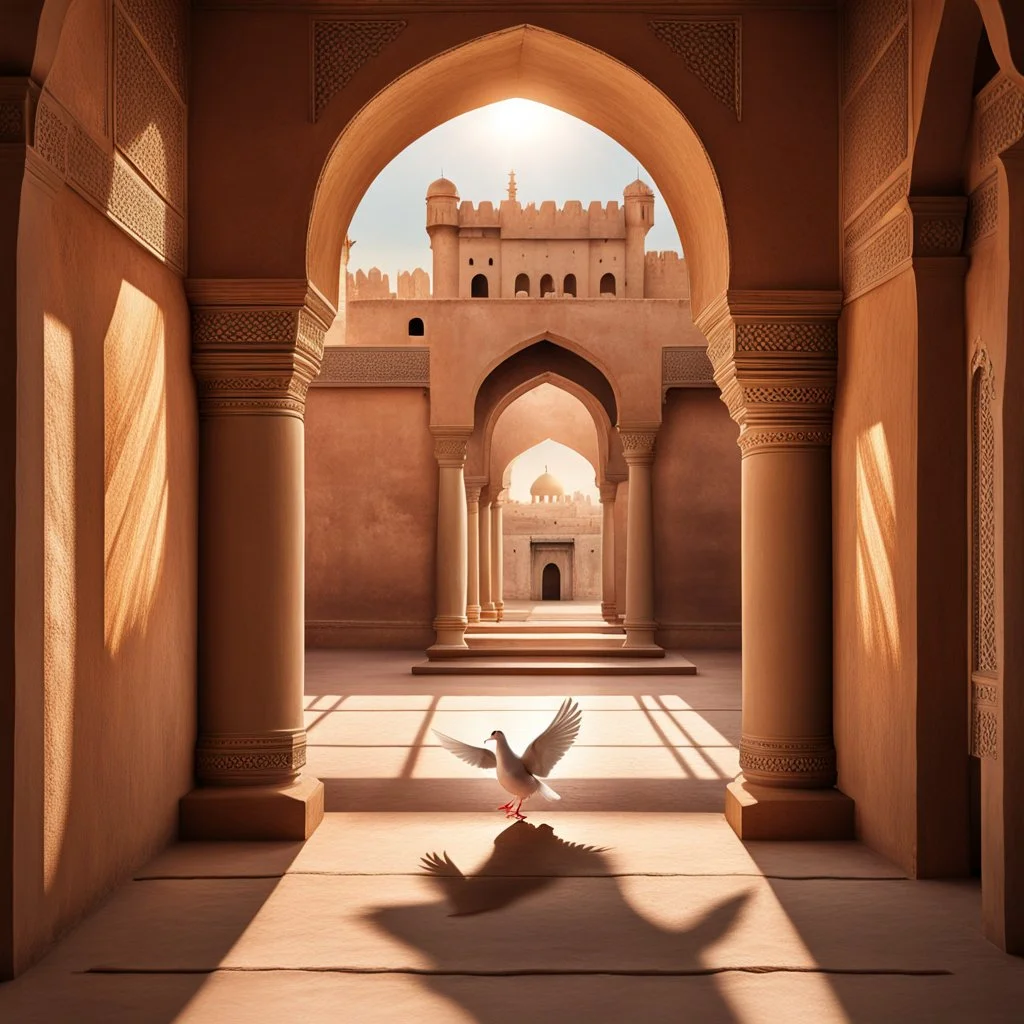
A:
x: 877, y: 614
x: 135, y: 463
x: 61, y: 612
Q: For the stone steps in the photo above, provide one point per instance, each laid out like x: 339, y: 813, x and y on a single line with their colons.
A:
x: 560, y: 642
x: 580, y: 664
x: 558, y: 626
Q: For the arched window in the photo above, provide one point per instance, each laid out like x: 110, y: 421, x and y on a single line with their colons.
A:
x: 551, y: 583
x: 478, y: 287
x: 416, y: 327
x: 569, y: 285
x: 547, y: 285
x: 471, y: 261
x: 490, y: 261
x: 522, y: 283
x: 608, y: 284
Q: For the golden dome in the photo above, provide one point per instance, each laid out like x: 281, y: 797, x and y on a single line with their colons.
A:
x: 546, y: 486
x: 442, y: 188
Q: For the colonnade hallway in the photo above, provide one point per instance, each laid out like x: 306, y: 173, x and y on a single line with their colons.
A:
x: 416, y: 900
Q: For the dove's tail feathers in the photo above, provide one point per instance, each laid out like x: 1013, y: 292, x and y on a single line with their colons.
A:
x: 546, y: 791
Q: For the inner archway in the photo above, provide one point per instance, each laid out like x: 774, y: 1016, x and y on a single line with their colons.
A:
x: 551, y: 583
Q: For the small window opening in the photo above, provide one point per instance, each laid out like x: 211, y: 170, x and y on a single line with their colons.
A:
x: 490, y: 261
x: 471, y: 261
x: 416, y: 327
x: 547, y: 285
x: 569, y: 285
x: 522, y: 283
x: 608, y: 284
x: 478, y: 287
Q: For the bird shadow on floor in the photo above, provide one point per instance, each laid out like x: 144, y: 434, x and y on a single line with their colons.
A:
x: 526, y: 859
x: 568, y: 938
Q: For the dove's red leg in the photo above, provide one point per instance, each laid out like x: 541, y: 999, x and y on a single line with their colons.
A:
x: 517, y: 813
x: 507, y: 808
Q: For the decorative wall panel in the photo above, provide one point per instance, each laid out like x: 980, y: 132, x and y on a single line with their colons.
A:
x: 340, y: 49
x: 711, y: 50
x: 686, y: 367
x: 354, y: 367
x: 164, y: 26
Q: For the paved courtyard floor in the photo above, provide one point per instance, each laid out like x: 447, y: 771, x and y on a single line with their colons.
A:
x: 629, y: 901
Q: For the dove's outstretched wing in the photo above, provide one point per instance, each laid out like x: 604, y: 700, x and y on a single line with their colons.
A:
x: 478, y: 757
x: 541, y: 756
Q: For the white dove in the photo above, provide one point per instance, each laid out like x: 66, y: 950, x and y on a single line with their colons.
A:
x: 523, y: 776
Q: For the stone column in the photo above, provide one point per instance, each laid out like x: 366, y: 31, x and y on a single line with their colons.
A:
x: 774, y: 358
x: 473, y: 553
x: 488, y: 613
x: 609, y: 611
x: 452, y: 550
x: 256, y: 347
x: 638, y: 450
x: 497, y: 557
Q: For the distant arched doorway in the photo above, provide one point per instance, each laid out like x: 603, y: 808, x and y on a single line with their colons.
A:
x: 551, y: 583
x: 478, y: 287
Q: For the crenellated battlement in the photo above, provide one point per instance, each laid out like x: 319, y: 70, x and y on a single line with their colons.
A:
x: 548, y: 220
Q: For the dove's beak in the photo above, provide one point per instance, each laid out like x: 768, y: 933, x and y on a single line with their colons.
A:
x: 490, y: 739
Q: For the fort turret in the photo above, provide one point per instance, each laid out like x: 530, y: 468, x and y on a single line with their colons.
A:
x: 639, y: 206
x: 443, y: 228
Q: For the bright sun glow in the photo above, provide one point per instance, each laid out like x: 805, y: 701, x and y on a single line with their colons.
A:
x: 518, y: 121
x: 573, y: 471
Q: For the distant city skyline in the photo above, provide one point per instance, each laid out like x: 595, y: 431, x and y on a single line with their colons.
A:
x: 555, y: 157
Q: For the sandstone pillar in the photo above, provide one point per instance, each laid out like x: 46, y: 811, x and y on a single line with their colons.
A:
x: 256, y: 347
x: 497, y: 558
x: 488, y: 613
x: 774, y: 357
x: 638, y: 449
x: 472, y: 553
x: 452, y: 551
x: 609, y: 612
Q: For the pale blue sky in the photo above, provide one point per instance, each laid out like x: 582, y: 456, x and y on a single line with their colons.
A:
x: 555, y: 156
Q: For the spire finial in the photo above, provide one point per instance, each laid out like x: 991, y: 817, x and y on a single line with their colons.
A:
x: 512, y: 191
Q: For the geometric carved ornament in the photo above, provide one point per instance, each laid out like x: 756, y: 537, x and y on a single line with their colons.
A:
x: 710, y: 49
x: 984, y: 736
x: 340, y: 49
x: 686, y: 367
x: 363, y: 367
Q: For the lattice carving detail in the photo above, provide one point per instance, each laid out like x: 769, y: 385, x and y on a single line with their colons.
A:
x: 340, y: 49
x: 375, y: 367
x: 248, y: 758
x: 879, y: 257
x: 875, y: 125
x: 12, y: 121
x: 761, y: 440
x: 51, y: 139
x: 812, y: 759
x: 788, y: 394
x: 215, y: 328
x: 938, y: 236
x: 868, y: 24
x: 450, y: 450
x: 686, y: 367
x: 985, y: 719
x: 983, y: 517
x: 162, y: 23
x: 877, y: 208
x: 149, y: 119
x: 710, y: 49
x: 1000, y: 119
x: 982, y: 211
x: 812, y: 336
x: 638, y: 444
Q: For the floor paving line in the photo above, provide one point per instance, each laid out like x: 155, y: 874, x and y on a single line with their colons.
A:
x: 490, y: 877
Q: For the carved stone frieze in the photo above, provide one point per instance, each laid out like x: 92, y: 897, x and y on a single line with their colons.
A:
x: 867, y: 26
x: 789, y: 762
x: 778, y: 440
x: 998, y: 118
x: 810, y: 336
x: 880, y: 257
x: 985, y: 653
x: 711, y: 50
x: 985, y: 719
x: 358, y: 367
x: 687, y: 367
x: 250, y: 760
x: 149, y: 117
x: 862, y: 224
x: 341, y: 48
x: 982, y: 211
x: 163, y: 24
x: 875, y: 125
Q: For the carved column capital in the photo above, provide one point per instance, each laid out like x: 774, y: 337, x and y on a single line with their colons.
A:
x: 450, y: 447
x: 256, y: 345
x: 638, y: 445
x: 473, y: 497
x: 608, y: 491
x: 938, y: 224
x: 774, y: 357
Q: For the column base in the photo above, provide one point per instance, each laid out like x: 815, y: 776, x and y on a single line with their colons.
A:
x: 499, y: 610
x: 473, y: 613
x: 641, y: 635
x: 449, y: 632
x: 609, y: 612
x: 772, y: 812
x: 488, y: 615
x: 291, y: 811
